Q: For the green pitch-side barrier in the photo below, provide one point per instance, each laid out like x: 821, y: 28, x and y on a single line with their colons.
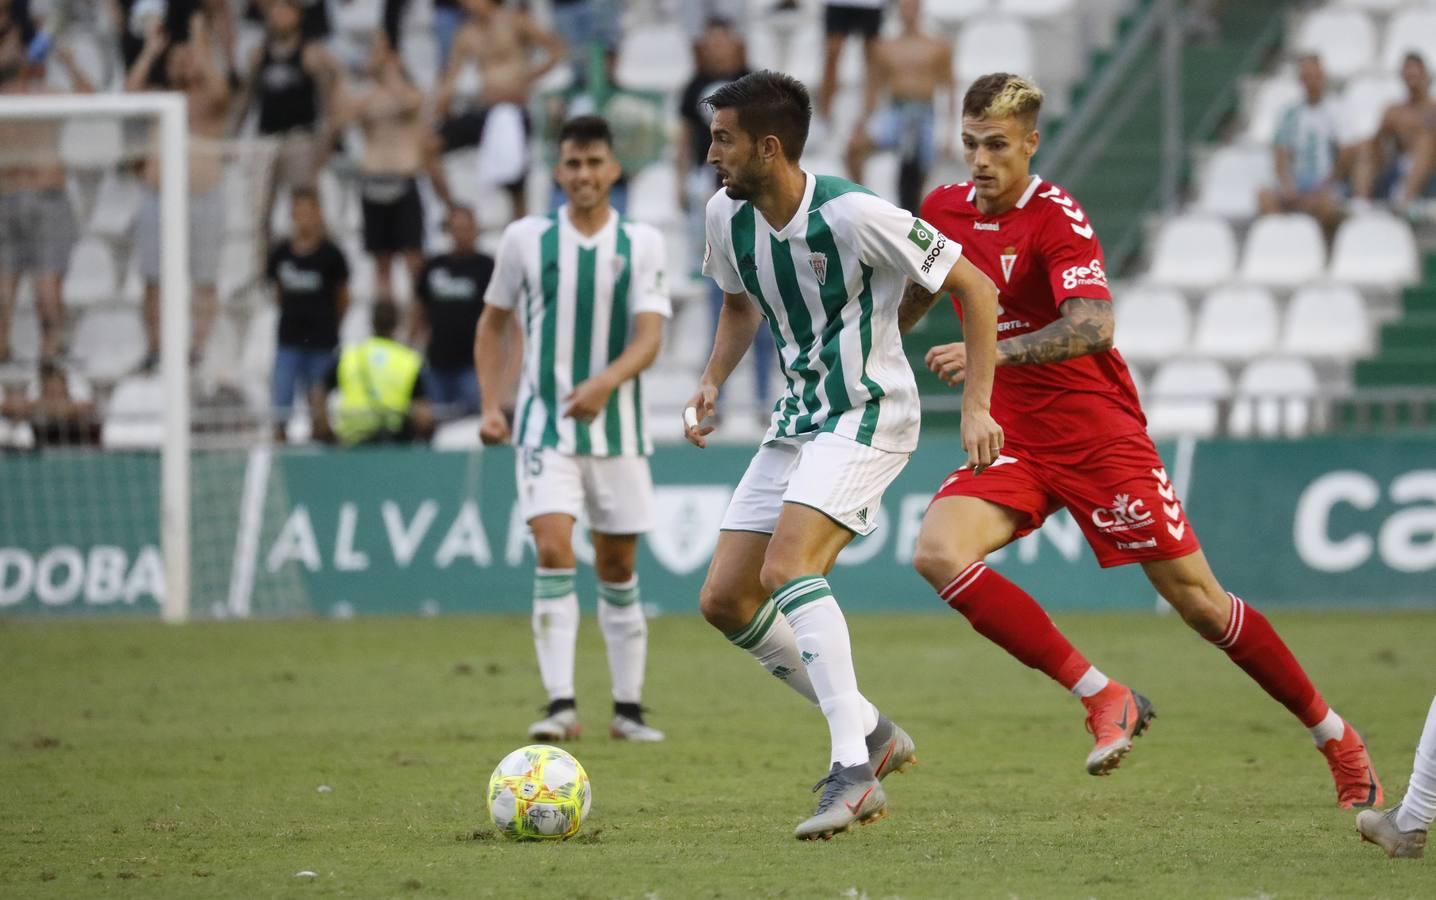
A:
x: 1318, y: 523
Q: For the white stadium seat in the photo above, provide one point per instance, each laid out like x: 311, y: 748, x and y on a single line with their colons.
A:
x: 1376, y: 250
x: 1037, y: 9
x: 1194, y: 252
x: 1153, y: 324
x: 109, y: 343
x: 950, y: 13
x: 91, y: 143
x: 1268, y: 102
x: 1376, y: 6
x: 1364, y: 100
x: 1327, y: 321
x: 134, y: 417
x: 1283, y: 251
x: 1232, y: 179
x: 1410, y: 30
x: 1001, y: 45
x: 91, y: 276
x: 1185, y: 398
x: 654, y: 56
x: 1236, y: 322
x: 1345, y: 40
x: 1274, y: 398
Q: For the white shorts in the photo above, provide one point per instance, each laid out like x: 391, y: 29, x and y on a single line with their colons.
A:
x: 615, y: 493
x: 837, y: 476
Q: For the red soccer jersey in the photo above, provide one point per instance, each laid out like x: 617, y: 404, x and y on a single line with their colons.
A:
x: 1039, y: 253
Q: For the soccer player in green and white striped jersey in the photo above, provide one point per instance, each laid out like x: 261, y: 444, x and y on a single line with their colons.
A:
x: 828, y: 278
x: 588, y: 290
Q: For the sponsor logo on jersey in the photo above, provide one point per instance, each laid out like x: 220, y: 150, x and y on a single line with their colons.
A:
x: 1090, y: 274
x: 921, y: 234
x: 933, y: 254
x: 1125, y: 514
x: 1009, y: 259
x: 1148, y: 544
x: 747, y: 263
x: 986, y: 226
x: 819, y: 262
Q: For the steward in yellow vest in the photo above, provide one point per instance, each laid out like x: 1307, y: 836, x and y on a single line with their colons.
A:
x: 381, y: 388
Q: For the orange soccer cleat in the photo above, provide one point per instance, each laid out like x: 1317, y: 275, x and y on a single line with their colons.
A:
x: 1357, y: 786
x: 1115, y: 715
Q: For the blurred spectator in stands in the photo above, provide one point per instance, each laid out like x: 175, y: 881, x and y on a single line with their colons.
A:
x: 37, y: 227
x: 1397, y: 164
x: 1309, y: 158
x: 311, y: 281
x: 721, y: 58
x: 448, y: 19
x: 313, y: 16
x: 190, y: 69
x: 905, y: 73
x: 501, y: 41
x: 586, y: 27
x: 841, y: 20
x: 450, y: 297
x: 696, y: 15
x: 390, y: 111
x: 296, y: 83
x: 135, y: 19
x: 382, y: 389
x: 56, y: 414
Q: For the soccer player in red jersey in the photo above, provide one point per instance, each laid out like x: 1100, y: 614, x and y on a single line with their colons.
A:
x: 1076, y: 438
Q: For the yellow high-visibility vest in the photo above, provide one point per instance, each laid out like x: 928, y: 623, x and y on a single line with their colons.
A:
x: 376, y: 388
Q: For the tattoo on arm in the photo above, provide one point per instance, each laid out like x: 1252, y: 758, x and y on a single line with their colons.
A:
x: 1084, y: 328
x: 916, y: 301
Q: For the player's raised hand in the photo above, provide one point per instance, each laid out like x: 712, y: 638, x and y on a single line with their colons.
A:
x: 494, y: 428
x: 700, y: 406
x: 982, y: 438
x: 587, y: 399
x: 948, y: 362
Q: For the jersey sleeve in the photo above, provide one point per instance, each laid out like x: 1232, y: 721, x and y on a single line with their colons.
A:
x: 717, y: 260
x: 508, y: 278
x: 1070, y: 251
x: 650, y: 284
x: 894, y: 238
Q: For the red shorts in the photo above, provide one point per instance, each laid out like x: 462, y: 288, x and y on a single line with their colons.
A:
x: 1118, y: 492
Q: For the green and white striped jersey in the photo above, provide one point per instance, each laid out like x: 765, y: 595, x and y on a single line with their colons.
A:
x: 829, y: 283
x: 576, y: 298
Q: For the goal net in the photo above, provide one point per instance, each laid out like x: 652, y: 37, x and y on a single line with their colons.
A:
x: 134, y: 430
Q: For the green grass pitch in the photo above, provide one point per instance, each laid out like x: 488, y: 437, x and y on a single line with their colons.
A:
x: 143, y: 760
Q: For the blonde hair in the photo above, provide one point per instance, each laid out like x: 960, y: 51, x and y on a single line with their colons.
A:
x: 1003, y: 95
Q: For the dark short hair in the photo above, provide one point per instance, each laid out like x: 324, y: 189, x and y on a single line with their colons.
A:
x: 586, y: 130
x: 303, y: 192
x: 384, y: 317
x: 767, y: 103
x: 464, y: 210
x: 1415, y: 57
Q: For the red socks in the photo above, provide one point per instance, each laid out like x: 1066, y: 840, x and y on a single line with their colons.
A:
x: 1254, y: 645
x: 1004, y: 613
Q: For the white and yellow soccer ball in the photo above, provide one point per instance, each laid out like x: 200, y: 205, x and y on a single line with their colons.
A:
x: 539, y: 793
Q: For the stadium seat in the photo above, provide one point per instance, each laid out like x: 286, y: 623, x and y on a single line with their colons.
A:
x: 1345, y: 39
x: 1236, y: 322
x: 1153, y: 324
x: 91, y: 143
x: 1185, y: 397
x: 1411, y: 30
x: 951, y: 13
x: 1283, y: 251
x: 1364, y: 100
x: 1327, y: 321
x: 1232, y: 178
x: 458, y: 434
x: 652, y: 196
x: 1194, y: 252
x: 1273, y: 398
x: 1037, y: 9
x: 117, y: 202
x: 1375, y: 6
x: 24, y: 335
x: 134, y: 418
x: 988, y: 45
x: 91, y: 277
x: 1376, y: 250
x: 654, y: 56
x: 108, y: 343
x: 1269, y: 100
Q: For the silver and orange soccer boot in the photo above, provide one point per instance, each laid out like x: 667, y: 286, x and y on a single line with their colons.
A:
x: 890, y: 749
x: 1115, y: 715
x: 1379, y: 828
x: 851, y: 796
x: 558, y: 725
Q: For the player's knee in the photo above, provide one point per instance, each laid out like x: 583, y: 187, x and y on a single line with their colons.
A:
x: 778, y: 570
x: 613, y: 568
x: 555, y: 554
x: 720, y: 607
x: 938, y: 562
x: 1202, y: 610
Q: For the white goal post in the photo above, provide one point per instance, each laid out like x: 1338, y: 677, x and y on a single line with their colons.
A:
x: 168, y: 111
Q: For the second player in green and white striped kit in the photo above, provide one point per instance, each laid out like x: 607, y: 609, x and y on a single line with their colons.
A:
x: 587, y: 289
x: 828, y: 277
